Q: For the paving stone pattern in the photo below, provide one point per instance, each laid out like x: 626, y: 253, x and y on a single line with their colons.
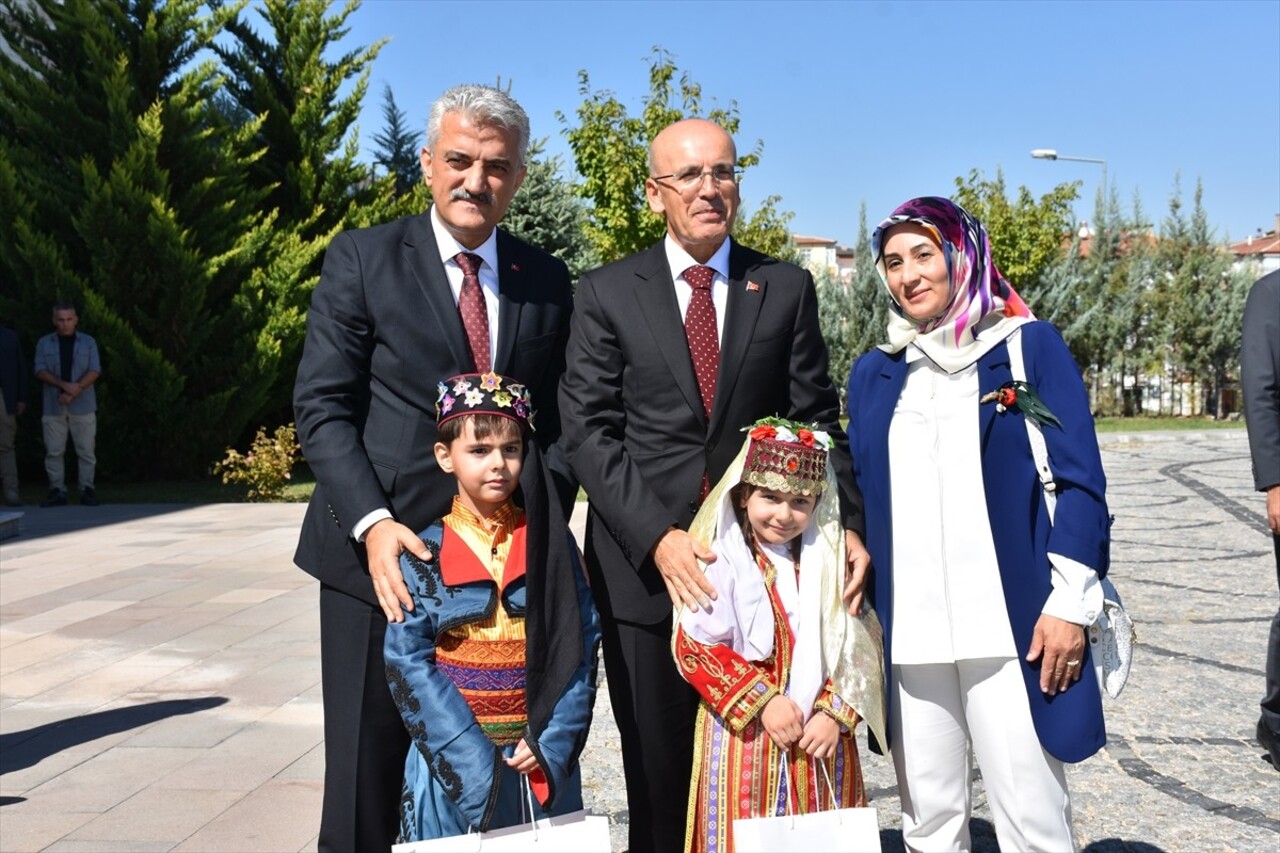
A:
x: 160, y: 679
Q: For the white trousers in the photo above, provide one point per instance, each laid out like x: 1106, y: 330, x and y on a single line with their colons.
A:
x: 83, y: 430
x: 946, y: 714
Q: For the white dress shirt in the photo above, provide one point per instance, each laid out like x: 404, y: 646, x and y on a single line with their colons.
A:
x: 679, y: 260
x: 948, y: 602
x: 488, y: 274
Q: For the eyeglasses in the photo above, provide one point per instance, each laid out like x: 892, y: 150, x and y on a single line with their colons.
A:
x: 689, y: 179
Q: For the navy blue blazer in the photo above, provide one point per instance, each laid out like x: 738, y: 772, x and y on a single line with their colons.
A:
x: 1070, y: 724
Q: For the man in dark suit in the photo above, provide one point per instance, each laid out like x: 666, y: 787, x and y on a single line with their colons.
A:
x: 1260, y: 379
x: 385, y: 326
x: 652, y: 418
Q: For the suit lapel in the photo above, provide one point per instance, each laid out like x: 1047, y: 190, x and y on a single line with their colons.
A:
x: 742, y: 310
x: 511, y: 299
x: 656, y: 301
x: 428, y: 271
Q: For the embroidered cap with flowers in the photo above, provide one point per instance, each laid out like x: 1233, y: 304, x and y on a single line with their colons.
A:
x: 786, y: 456
x: 484, y: 394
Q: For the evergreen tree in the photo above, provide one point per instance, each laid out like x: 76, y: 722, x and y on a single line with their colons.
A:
x: 869, y: 309
x: 835, y: 318
x: 547, y: 213
x: 611, y: 151
x: 398, y: 146
x: 128, y: 191
x: 306, y: 124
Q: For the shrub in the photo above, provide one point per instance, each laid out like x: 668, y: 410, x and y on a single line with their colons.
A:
x: 266, y: 467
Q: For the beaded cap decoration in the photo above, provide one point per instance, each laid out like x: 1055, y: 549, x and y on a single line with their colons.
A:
x: 786, y: 456
x: 483, y: 394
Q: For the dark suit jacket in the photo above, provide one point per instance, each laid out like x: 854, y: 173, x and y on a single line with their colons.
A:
x: 1260, y: 378
x: 634, y: 425
x: 383, y: 329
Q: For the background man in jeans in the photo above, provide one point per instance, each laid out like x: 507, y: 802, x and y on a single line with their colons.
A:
x: 68, y: 365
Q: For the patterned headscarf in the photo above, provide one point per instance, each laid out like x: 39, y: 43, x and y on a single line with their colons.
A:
x: 982, y: 308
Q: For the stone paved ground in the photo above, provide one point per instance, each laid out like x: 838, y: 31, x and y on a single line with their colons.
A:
x: 159, y: 675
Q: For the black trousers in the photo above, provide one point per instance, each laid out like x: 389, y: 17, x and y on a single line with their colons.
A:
x: 365, y: 741
x: 655, y: 710
x: 1271, y: 701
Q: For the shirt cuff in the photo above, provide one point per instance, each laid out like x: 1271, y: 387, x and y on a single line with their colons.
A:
x: 1077, y: 594
x: 363, y: 525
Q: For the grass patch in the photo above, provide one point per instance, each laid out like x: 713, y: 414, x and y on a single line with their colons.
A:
x: 1151, y: 424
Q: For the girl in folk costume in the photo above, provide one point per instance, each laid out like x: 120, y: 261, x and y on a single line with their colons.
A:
x: 784, y: 672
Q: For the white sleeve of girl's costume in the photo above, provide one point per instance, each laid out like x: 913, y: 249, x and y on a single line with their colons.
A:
x: 741, y: 617
x: 1077, y: 594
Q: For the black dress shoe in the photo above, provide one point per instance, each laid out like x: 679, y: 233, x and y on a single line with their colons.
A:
x: 1270, y: 742
x: 57, y: 497
x: 88, y: 497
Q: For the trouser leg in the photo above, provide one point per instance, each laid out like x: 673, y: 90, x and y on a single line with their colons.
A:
x: 1026, y: 787
x: 8, y: 455
x: 931, y: 756
x: 655, y: 711
x: 84, y: 430
x: 55, y: 448
x: 1270, y: 719
x: 365, y: 741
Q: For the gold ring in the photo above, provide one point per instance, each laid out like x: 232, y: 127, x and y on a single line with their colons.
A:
x: 1072, y: 663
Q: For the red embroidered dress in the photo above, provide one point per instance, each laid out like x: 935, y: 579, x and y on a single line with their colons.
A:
x: 737, y: 769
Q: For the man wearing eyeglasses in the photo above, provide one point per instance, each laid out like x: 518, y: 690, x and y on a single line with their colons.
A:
x: 672, y: 352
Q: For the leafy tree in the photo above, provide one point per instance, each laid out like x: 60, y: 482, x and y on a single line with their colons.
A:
x: 398, y: 146
x: 611, y: 151
x: 547, y: 213
x: 1026, y: 233
x: 128, y: 191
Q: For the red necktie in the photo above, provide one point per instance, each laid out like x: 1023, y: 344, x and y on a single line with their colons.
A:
x: 475, y: 316
x: 704, y: 342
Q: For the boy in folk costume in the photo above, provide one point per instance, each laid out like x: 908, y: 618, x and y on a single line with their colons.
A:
x: 784, y: 672
x: 494, y: 669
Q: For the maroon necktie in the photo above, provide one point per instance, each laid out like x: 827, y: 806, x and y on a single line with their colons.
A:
x: 704, y: 342
x: 475, y: 316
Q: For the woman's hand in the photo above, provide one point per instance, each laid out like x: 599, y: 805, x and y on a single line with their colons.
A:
x: 522, y: 760
x: 783, y: 721
x: 1060, y: 646
x: 821, y: 734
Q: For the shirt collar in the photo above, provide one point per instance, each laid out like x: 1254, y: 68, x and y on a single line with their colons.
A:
x: 680, y: 260
x: 449, y: 245
x: 503, y: 518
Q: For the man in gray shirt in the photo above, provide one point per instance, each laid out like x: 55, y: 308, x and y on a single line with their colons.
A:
x: 67, y: 363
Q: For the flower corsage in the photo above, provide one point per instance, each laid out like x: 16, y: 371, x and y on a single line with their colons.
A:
x: 1023, y: 396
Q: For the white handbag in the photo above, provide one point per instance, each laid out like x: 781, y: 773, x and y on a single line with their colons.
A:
x: 575, y: 832
x: 855, y: 829
x: 1111, y: 638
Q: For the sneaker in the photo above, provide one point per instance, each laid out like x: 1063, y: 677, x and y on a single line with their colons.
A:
x: 57, y: 497
x: 88, y: 497
x: 1270, y: 743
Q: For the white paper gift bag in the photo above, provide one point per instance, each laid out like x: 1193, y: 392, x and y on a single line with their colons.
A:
x: 854, y: 830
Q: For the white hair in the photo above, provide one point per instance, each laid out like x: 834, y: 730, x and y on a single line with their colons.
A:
x: 487, y: 106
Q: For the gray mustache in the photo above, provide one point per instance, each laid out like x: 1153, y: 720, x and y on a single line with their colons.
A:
x: 461, y: 194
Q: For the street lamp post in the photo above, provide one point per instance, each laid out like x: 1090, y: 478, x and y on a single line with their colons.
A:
x: 1052, y: 154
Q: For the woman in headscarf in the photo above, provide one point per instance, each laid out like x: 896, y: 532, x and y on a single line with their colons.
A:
x: 984, y: 597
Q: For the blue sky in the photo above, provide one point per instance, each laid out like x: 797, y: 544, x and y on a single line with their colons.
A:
x: 881, y: 101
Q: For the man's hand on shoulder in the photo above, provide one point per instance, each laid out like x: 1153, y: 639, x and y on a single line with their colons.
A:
x: 383, y: 543
x: 676, y: 555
